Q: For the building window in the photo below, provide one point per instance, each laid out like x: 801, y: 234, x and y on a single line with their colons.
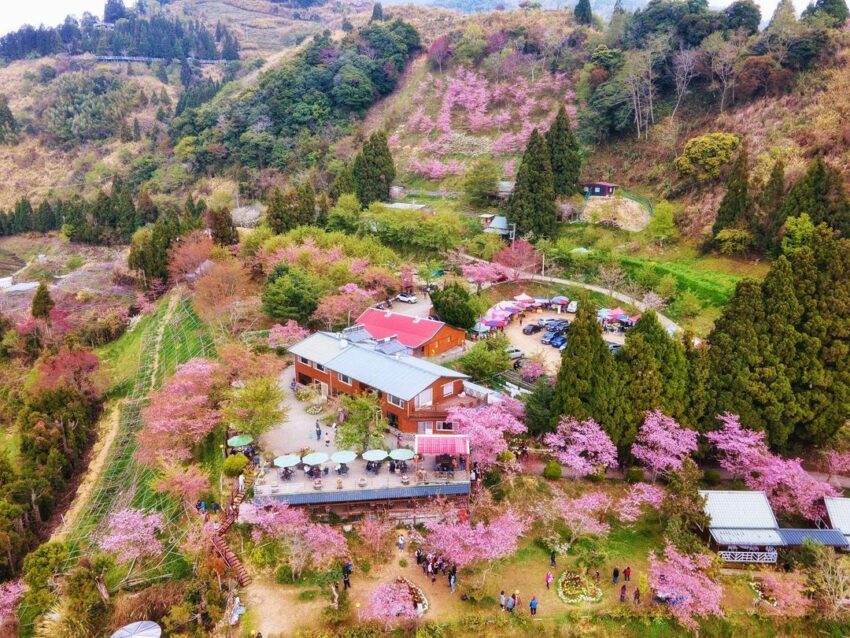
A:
x: 305, y: 361
x: 442, y: 425
x: 425, y: 398
x: 448, y: 389
x: 424, y: 427
x: 344, y: 378
x: 392, y: 400
x: 320, y: 367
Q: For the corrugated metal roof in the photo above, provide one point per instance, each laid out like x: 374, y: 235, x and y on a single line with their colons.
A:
x: 411, y: 331
x: 738, y: 509
x: 413, y: 491
x: 838, y: 510
x: 746, y: 536
x: 829, y: 537
x: 319, y: 347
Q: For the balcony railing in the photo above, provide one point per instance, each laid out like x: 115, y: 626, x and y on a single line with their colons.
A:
x: 731, y: 556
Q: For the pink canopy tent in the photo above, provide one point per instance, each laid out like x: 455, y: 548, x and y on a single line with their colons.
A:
x: 441, y: 444
x: 524, y: 300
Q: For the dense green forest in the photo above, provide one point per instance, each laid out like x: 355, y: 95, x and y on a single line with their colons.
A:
x: 125, y: 33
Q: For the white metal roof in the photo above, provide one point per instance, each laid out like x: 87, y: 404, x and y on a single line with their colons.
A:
x: 738, y: 509
x: 319, y: 347
x: 838, y: 510
x: 744, y: 536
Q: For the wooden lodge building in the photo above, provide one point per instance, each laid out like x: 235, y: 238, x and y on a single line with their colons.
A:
x: 424, y: 337
x: 415, y: 395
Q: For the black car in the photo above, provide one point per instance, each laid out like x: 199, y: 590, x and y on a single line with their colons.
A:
x: 531, y: 329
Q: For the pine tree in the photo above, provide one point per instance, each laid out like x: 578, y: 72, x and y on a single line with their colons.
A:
x: 377, y: 13
x: 820, y: 194
x: 374, y: 170
x: 164, y: 98
x: 222, y: 230
x: 453, y: 304
x: 124, y: 210
x: 8, y: 125
x: 835, y: 10
x: 532, y: 203
x: 696, y: 410
x: 146, y: 209
x: 736, y: 208
x: 45, y: 218
x: 583, y: 12
x: 642, y: 384
x: 42, y: 303
x: 588, y: 385
x: 564, y: 154
x: 305, y: 213
x: 670, y: 358
x: 538, y: 406
x: 276, y: 212
x: 770, y: 201
x: 343, y: 183
x: 137, y: 131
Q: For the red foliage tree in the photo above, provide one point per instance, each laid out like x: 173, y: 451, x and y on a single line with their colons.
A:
x: 187, y: 254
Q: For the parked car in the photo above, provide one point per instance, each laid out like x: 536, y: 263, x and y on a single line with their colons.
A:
x: 407, y: 298
x: 531, y: 329
x: 563, y: 347
x: 514, y: 352
x: 550, y: 334
x: 558, y: 341
x: 614, y: 347
x: 545, y: 321
x: 572, y: 306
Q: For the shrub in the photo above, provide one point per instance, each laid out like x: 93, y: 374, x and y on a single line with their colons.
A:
x: 235, y: 464
x: 711, y: 476
x: 705, y: 156
x: 402, y: 563
x: 634, y: 474
x: 552, y: 471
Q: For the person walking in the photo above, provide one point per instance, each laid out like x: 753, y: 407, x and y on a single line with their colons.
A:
x: 552, y: 557
x: 517, y: 601
x: 509, y: 605
x: 241, y: 482
x: 398, y: 440
x: 636, y: 597
x: 401, y: 542
x: 502, y: 601
x: 318, y: 431
x: 532, y: 605
x: 627, y: 574
x: 452, y: 580
x: 623, y: 593
x: 616, y: 575
x: 597, y: 576
x: 327, y: 439
x: 549, y: 579
x: 346, y: 580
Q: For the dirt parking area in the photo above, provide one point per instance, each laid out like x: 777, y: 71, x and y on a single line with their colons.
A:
x: 530, y: 344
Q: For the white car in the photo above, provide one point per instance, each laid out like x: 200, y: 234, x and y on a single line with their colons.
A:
x: 407, y: 298
x: 572, y: 307
x: 514, y: 352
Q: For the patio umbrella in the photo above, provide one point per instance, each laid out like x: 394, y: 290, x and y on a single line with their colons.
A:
x: 524, y: 298
x: 314, y: 458
x: 500, y: 323
x: 343, y: 456
x: 141, y: 629
x: 287, y: 460
x: 480, y: 327
x: 240, y: 440
x: 603, y: 313
x: 374, y: 455
x: 402, y: 454
x: 560, y: 300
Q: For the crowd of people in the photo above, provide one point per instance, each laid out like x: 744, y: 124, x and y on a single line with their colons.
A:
x: 433, y: 566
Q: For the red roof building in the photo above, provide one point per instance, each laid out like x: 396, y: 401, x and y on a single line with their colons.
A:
x: 425, y: 337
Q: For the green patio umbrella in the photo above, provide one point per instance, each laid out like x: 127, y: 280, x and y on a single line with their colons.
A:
x: 240, y: 440
x: 374, y: 455
x: 314, y: 458
x: 343, y: 456
x: 402, y: 454
x: 287, y: 460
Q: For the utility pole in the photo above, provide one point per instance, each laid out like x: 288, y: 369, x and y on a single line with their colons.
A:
x: 512, y: 234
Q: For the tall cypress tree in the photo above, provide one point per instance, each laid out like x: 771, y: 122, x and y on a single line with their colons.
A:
x: 373, y: 170
x: 770, y: 201
x: 538, y: 408
x: 532, y: 203
x: 642, y: 384
x: 42, y: 303
x: 8, y: 125
x: 736, y: 208
x: 588, y: 384
x: 343, y: 183
x: 564, y: 154
x: 222, y: 230
x: 696, y: 410
x: 670, y: 358
x: 123, y: 207
x: 820, y: 193
x: 276, y: 212
x: 583, y: 12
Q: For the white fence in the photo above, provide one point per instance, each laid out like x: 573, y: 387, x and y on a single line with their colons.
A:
x: 730, y: 556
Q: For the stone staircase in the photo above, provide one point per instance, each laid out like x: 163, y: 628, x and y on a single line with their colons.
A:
x: 231, y: 515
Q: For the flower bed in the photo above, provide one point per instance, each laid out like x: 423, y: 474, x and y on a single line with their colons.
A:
x: 573, y: 589
x: 762, y: 595
x: 313, y: 409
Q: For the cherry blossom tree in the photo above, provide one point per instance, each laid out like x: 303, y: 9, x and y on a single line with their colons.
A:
x: 186, y: 484
x: 532, y: 370
x: 179, y: 415
x: 439, y: 51
x: 583, y: 515
x: 340, y: 309
x: 521, y: 257
x: 377, y: 535
x: 631, y: 506
x: 390, y: 603
x: 682, y: 579
x: 837, y: 463
x: 464, y: 543
x: 187, y: 254
x: 11, y: 593
x: 662, y: 444
x: 744, y: 454
x: 132, y: 535
x: 281, y: 336
x: 486, y: 427
x: 482, y: 272
x: 583, y: 446
x: 69, y: 368
x: 785, y: 596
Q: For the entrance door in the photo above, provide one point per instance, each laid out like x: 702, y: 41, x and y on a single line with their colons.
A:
x: 323, y: 388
